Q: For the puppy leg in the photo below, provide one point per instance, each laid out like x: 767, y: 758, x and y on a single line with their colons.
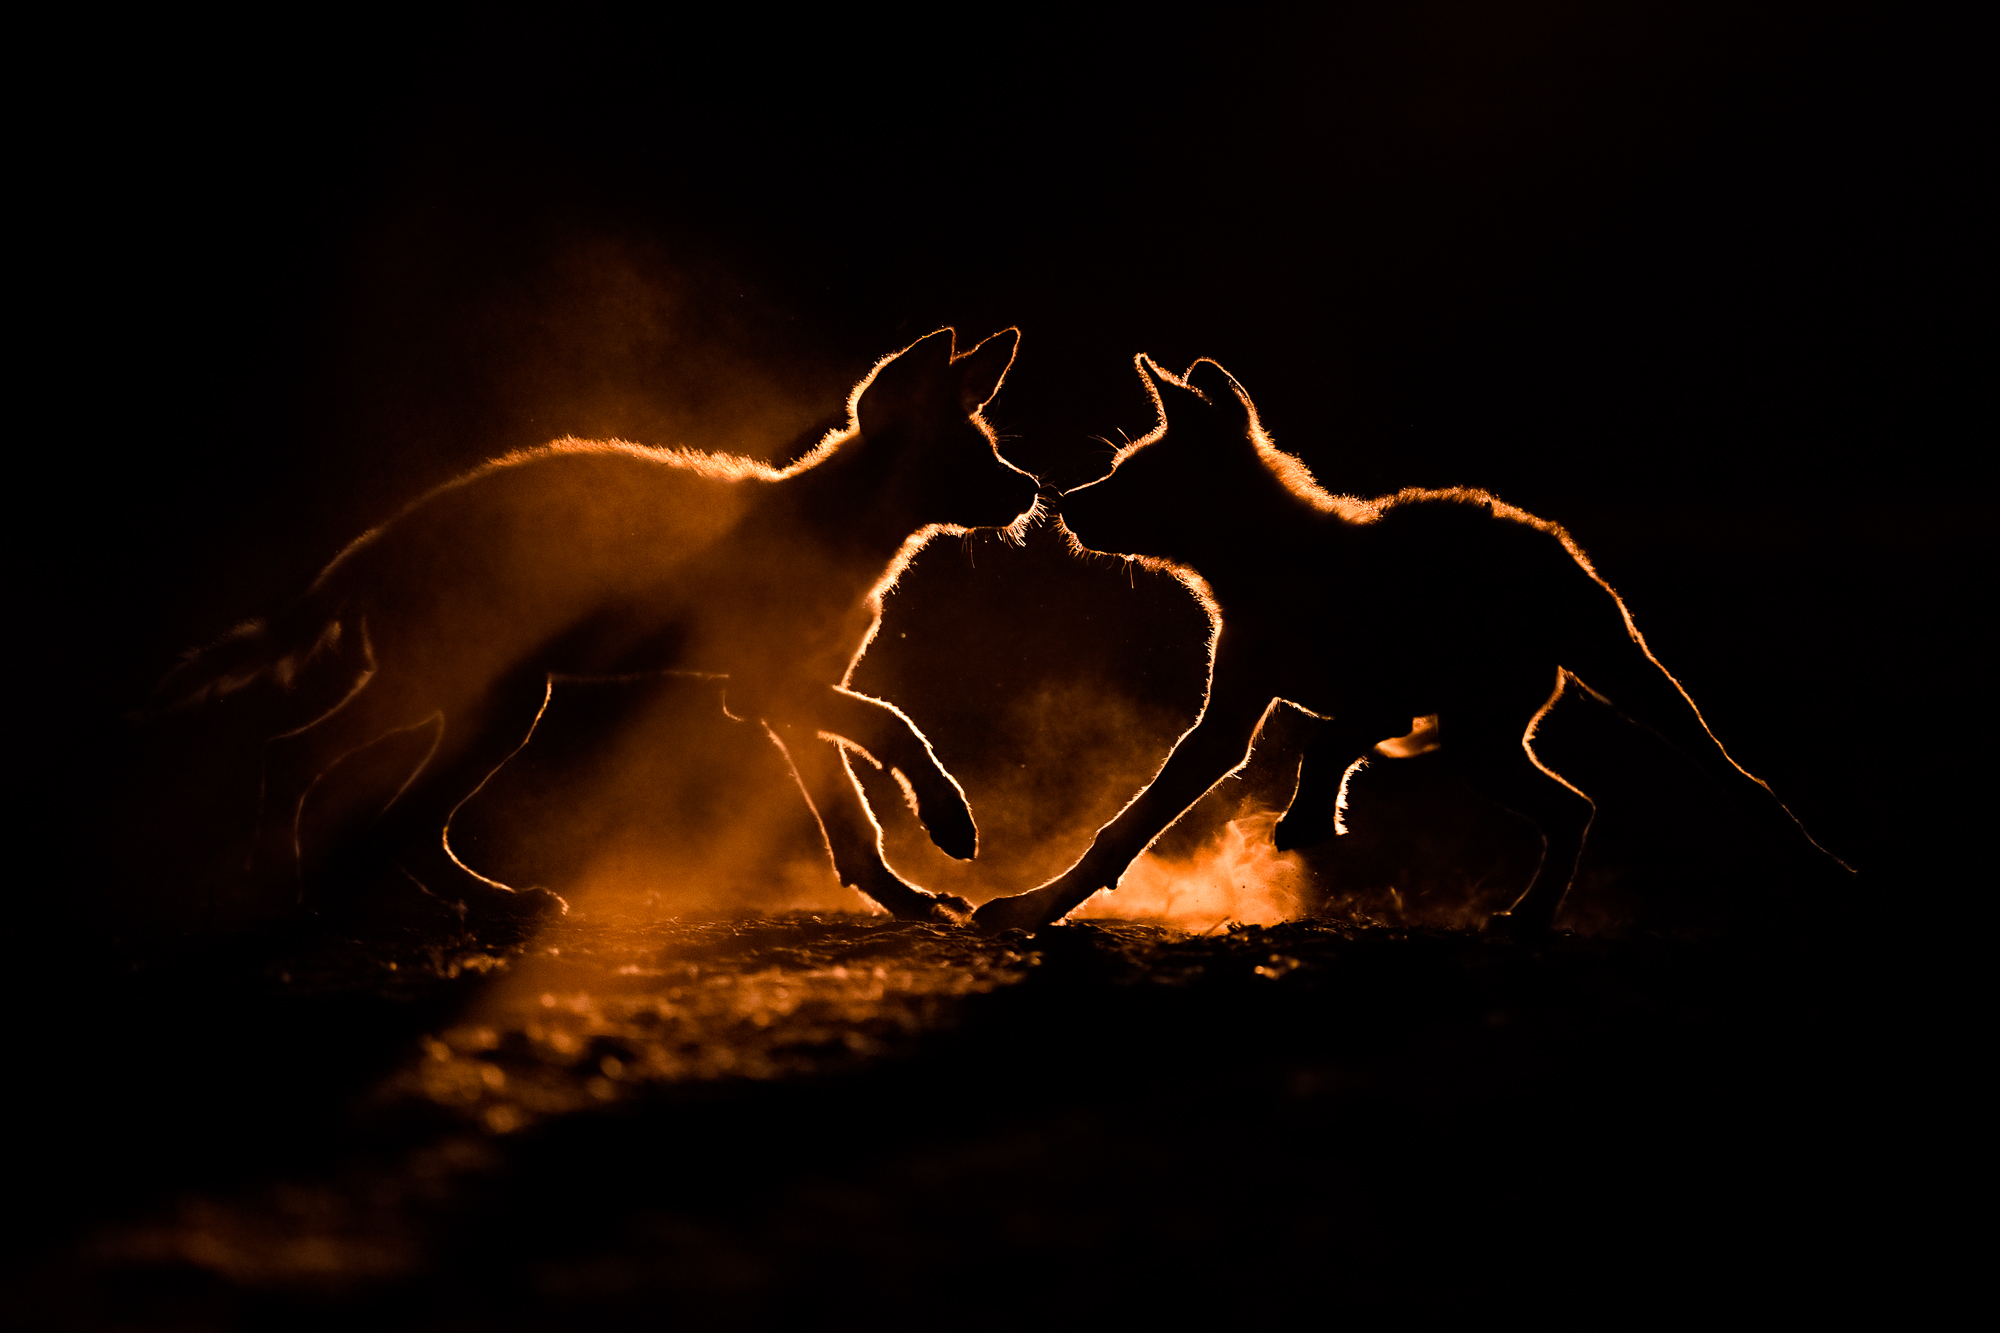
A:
x: 1314, y: 814
x: 1215, y: 748
x: 888, y: 734
x: 475, y: 740
x: 853, y: 838
x: 1499, y: 761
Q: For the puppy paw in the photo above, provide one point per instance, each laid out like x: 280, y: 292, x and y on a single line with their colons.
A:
x: 949, y: 822
x: 937, y: 909
x: 948, y: 909
x: 1023, y: 911
x: 511, y: 910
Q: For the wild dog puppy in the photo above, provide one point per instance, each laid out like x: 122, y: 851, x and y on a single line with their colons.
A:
x: 1421, y: 620
x: 598, y: 560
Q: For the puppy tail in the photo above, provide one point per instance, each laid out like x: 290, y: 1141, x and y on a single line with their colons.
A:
x: 277, y: 650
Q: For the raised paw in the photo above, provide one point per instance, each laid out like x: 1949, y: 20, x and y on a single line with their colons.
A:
x: 948, y: 819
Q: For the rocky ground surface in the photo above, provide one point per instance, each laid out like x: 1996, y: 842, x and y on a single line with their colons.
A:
x: 748, y: 1122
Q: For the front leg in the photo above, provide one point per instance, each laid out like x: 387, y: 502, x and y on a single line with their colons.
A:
x: 890, y: 737
x: 1217, y: 746
x: 1313, y: 817
x: 853, y: 838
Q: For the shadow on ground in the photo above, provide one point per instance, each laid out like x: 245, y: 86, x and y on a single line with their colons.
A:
x: 747, y: 1122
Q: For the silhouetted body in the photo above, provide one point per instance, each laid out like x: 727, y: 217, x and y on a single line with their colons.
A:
x: 1446, y: 615
x: 588, y: 559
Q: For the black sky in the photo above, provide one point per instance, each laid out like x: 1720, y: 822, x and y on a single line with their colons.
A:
x: 1685, y: 277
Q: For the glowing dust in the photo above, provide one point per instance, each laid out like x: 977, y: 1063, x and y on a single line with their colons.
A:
x: 1237, y: 875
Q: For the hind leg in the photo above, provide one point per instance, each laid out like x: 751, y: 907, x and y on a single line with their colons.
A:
x: 294, y: 762
x: 853, y: 838
x: 414, y: 832
x: 1499, y: 762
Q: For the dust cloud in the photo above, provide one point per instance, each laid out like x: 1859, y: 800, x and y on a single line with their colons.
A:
x: 644, y: 799
x: 1236, y: 875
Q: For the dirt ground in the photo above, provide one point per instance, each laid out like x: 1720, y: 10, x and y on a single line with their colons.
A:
x: 747, y: 1122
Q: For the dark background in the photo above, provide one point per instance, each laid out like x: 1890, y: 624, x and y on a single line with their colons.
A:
x: 1687, y: 278
x: 1695, y: 280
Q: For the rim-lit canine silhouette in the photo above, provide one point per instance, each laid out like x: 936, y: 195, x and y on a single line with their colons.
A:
x: 603, y: 559
x: 1447, y: 615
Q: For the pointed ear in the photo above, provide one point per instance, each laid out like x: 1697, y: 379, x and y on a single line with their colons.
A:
x: 933, y: 350
x: 1220, y: 388
x: 886, y: 389
x: 1168, y: 393
x: 981, y: 370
